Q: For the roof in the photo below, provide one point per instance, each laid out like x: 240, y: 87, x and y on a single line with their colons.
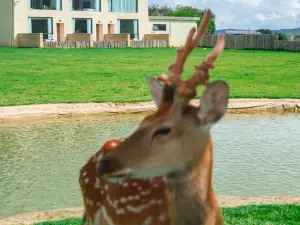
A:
x: 241, y: 32
x: 174, y: 18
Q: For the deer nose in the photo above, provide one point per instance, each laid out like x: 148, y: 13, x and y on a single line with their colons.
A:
x: 104, y: 166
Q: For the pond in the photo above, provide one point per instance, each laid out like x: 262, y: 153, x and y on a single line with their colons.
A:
x: 40, y: 161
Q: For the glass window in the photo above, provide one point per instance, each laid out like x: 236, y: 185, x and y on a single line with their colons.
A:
x: 45, y: 4
x: 41, y: 25
x: 86, y: 5
x: 159, y: 27
x: 122, y: 5
x: 128, y: 27
x: 82, y: 26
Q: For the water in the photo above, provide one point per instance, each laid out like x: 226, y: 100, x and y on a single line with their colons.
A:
x: 40, y: 161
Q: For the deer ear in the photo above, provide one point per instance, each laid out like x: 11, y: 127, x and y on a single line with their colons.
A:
x: 213, y: 104
x: 156, y: 90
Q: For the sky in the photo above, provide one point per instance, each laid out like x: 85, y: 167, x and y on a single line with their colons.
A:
x: 247, y: 14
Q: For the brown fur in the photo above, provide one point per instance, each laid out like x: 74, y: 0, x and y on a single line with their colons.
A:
x: 173, y: 143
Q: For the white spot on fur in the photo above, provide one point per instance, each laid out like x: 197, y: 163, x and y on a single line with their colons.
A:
x: 86, y: 180
x: 84, y: 174
x: 125, y: 184
x: 106, y: 187
x: 112, y: 203
x: 98, y: 204
x: 121, y: 211
x: 162, y: 217
x: 133, y: 209
x: 145, y: 193
x: 137, y: 197
x: 139, y: 188
x: 159, y: 202
x: 134, y: 184
x: 123, y: 200
x: 130, y: 197
x: 153, y: 201
x: 147, y: 221
x: 97, y: 183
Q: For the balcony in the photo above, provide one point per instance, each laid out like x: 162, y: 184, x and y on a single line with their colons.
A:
x: 45, y: 4
x: 41, y: 25
x: 128, y: 27
x: 85, y: 5
x: 125, y: 6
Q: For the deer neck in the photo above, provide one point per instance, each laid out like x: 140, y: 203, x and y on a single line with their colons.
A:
x: 190, y: 191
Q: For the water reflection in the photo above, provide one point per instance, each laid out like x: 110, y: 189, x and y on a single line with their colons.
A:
x: 40, y: 162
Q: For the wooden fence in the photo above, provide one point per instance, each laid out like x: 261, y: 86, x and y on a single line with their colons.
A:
x: 297, y: 38
x: 149, y: 44
x: 262, y: 42
x: 106, y: 44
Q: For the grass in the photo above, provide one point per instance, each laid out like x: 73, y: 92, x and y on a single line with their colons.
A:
x: 33, y: 76
x: 250, y: 215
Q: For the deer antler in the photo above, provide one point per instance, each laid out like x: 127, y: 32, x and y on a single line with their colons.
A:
x: 201, y: 74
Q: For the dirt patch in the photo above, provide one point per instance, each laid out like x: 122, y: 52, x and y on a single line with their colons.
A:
x: 224, y: 201
x: 251, y: 106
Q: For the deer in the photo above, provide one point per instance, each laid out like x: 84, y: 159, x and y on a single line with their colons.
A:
x: 161, y: 174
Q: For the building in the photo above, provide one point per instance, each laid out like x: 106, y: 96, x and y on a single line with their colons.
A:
x: 177, y: 27
x: 58, y: 18
x: 242, y: 32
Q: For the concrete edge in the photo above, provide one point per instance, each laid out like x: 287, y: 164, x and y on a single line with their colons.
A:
x: 224, y: 201
x: 236, y: 106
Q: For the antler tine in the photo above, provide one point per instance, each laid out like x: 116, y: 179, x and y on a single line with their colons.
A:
x: 201, y: 74
x: 176, y: 69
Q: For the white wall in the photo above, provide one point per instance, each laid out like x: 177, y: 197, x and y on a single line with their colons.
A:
x: 178, y: 29
x: 6, y: 25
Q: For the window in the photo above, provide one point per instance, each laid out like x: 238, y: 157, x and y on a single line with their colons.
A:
x: 127, y: 6
x: 41, y: 25
x: 45, y: 4
x: 85, y: 5
x: 159, y: 27
x: 82, y: 26
x: 128, y: 27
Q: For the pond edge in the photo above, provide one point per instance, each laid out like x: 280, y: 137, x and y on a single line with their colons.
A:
x: 235, y: 106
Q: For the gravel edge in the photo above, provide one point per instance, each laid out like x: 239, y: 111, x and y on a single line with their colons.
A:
x: 250, y: 106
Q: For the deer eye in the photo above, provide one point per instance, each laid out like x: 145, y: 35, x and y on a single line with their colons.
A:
x: 161, y: 131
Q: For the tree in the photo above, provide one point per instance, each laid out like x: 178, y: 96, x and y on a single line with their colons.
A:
x: 156, y: 10
x: 281, y: 36
x: 183, y: 11
x: 211, y: 28
x: 265, y: 31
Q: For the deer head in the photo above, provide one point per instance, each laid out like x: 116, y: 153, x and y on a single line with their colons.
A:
x: 175, y: 137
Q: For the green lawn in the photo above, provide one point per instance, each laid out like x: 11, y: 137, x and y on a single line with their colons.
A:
x: 250, y: 215
x: 31, y: 76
